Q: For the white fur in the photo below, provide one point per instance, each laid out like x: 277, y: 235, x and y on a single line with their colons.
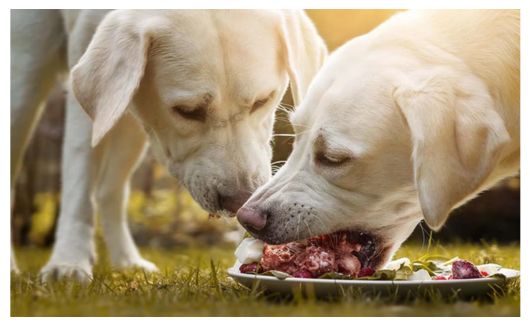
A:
x: 407, y: 122
x: 132, y: 71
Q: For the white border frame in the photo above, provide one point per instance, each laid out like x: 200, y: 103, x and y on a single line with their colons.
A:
x: 306, y: 4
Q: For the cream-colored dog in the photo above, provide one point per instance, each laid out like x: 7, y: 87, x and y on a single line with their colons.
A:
x: 402, y: 124
x: 202, y: 84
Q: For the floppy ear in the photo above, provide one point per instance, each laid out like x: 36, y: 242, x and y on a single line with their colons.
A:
x: 108, y: 74
x: 305, y: 50
x: 457, y: 138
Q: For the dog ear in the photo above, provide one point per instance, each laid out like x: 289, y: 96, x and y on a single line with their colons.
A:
x: 305, y: 49
x: 108, y: 74
x: 457, y: 137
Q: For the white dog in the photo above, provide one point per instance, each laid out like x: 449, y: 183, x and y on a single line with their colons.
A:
x: 202, y: 84
x: 402, y: 124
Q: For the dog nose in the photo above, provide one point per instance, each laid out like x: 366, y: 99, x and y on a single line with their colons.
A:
x: 251, y: 219
x: 233, y: 203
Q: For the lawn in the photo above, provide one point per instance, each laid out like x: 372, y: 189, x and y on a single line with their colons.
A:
x: 193, y: 282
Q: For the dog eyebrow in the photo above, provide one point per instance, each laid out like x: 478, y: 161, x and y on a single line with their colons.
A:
x: 193, y: 99
x: 249, y: 100
x: 320, y: 143
x: 325, y: 143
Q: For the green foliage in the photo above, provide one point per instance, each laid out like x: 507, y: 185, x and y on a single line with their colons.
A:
x: 193, y: 282
x: 46, y: 205
x: 277, y: 274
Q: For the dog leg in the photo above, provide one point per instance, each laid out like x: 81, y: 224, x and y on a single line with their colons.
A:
x: 14, y: 267
x: 37, y: 57
x: 120, y: 150
x: 73, y: 253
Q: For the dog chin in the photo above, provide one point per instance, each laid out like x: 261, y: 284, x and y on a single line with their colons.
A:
x: 211, y: 206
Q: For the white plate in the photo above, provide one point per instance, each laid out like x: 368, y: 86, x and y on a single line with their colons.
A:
x: 332, y: 287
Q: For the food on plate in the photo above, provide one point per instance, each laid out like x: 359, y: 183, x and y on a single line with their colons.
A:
x: 249, y: 268
x: 312, y: 258
x: 462, y: 269
x: 249, y: 250
x: 338, y: 256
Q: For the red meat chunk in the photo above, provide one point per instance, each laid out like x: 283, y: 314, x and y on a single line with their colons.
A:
x: 313, y: 257
x: 249, y: 268
x: 349, y: 265
x: 366, y: 271
x: 463, y: 269
x: 280, y: 257
x: 317, y: 260
x: 440, y: 277
x: 303, y: 274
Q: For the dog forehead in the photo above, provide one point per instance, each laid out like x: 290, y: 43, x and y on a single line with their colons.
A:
x: 219, y: 50
x: 203, y: 34
x: 339, y: 119
x: 329, y: 106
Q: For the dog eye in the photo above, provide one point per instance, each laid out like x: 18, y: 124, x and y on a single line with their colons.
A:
x: 191, y: 113
x: 331, y: 160
x: 261, y: 102
x: 258, y: 104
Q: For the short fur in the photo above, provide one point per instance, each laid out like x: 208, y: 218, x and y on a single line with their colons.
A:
x: 405, y: 123
x: 136, y: 70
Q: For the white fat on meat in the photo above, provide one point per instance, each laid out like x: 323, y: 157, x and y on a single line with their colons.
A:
x: 250, y: 250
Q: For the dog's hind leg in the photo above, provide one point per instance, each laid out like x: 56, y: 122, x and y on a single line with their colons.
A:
x: 120, y: 151
x: 38, y: 46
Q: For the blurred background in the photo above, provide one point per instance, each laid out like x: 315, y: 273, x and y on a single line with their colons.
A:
x: 162, y: 214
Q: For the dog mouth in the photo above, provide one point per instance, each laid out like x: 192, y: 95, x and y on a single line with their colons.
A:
x: 360, y: 244
x: 349, y: 252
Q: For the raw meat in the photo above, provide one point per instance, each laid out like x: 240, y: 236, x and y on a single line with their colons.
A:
x: 463, y: 269
x: 338, y: 252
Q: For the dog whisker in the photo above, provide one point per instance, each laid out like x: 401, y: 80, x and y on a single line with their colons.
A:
x: 308, y: 228
x: 322, y: 224
x: 291, y: 135
x: 279, y: 162
x: 298, y: 228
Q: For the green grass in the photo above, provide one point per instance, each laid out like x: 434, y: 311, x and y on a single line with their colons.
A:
x: 193, y: 282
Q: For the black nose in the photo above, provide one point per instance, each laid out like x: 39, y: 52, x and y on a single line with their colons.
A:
x: 233, y: 203
x: 251, y: 219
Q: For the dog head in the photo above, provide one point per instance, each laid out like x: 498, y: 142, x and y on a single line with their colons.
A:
x: 204, y: 85
x: 383, y: 139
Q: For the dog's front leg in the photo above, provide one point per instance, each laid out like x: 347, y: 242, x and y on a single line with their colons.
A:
x: 120, y: 151
x: 14, y: 267
x: 73, y: 253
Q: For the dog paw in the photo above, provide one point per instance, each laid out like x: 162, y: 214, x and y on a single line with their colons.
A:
x: 139, y: 263
x: 14, y: 268
x: 56, y: 271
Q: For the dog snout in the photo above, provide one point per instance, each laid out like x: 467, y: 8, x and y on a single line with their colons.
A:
x: 233, y: 203
x: 252, y: 219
